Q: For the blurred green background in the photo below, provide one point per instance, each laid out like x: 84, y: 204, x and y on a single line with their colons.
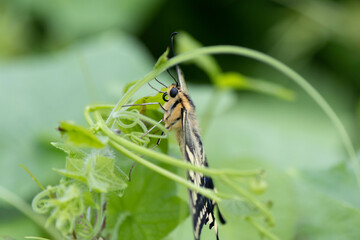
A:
x: 57, y: 56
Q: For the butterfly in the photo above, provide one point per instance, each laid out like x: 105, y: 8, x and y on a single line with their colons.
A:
x: 180, y: 117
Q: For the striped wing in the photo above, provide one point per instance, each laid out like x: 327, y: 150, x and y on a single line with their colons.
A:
x: 201, y: 208
x: 181, y: 79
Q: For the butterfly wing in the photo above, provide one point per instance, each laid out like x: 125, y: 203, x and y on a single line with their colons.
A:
x: 181, y: 80
x: 201, y: 207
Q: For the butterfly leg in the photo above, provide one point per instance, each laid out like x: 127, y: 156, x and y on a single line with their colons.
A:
x: 148, y: 131
x: 144, y: 104
x: 157, y: 144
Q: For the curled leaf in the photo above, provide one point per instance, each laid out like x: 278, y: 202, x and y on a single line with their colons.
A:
x: 70, y: 150
x: 162, y: 59
x: 79, y: 136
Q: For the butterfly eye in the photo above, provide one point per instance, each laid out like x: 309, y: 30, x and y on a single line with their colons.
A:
x: 173, y: 92
x: 164, y: 97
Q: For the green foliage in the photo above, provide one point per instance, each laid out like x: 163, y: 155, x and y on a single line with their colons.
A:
x: 162, y: 59
x: 65, y: 203
x: 308, y: 182
x: 54, y: 89
x: 333, y: 197
x: 79, y: 136
x: 138, y: 120
x: 149, y: 209
x: 93, y: 185
x: 237, y: 81
x: 135, y: 122
x: 72, y: 152
x: 88, y: 176
x: 97, y: 172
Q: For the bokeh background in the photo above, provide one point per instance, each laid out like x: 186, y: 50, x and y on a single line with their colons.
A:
x: 57, y: 56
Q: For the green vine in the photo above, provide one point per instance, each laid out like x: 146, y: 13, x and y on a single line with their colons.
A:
x: 235, y: 50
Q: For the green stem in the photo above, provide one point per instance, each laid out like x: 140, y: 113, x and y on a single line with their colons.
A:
x: 286, y: 71
x: 149, y: 120
x: 130, y: 93
x: 36, y: 238
x: 33, y: 177
x: 250, y: 198
x: 91, y: 108
x: 210, y: 194
x: 262, y: 58
x: 262, y: 230
x: 164, y: 172
x: 23, y: 207
x: 170, y: 160
x: 99, y: 216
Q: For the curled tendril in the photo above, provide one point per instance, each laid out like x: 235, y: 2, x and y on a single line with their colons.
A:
x: 137, y: 119
x: 137, y: 137
x: 127, y: 115
x: 41, y: 203
x: 64, y: 208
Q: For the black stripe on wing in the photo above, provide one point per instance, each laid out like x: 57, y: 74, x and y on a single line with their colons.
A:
x: 202, y: 210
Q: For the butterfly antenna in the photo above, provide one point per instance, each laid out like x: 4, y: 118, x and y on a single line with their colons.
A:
x: 173, y: 52
x: 172, y: 76
x: 172, y: 42
x: 161, y: 83
x: 155, y: 88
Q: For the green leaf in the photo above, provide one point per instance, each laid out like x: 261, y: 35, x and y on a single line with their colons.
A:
x: 162, y: 59
x: 326, y: 210
x: 149, y: 209
x: 104, y: 176
x: 70, y: 150
x: 151, y: 99
x: 75, y: 169
x: 232, y: 80
x: 336, y: 182
x: 279, y: 193
x: 236, y: 208
x: 98, y: 172
x: 237, y: 81
x: 79, y: 136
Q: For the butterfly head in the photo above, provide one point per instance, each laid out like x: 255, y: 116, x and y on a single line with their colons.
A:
x: 171, y: 92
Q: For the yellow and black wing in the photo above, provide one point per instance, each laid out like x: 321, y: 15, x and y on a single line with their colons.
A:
x: 201, y: 207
